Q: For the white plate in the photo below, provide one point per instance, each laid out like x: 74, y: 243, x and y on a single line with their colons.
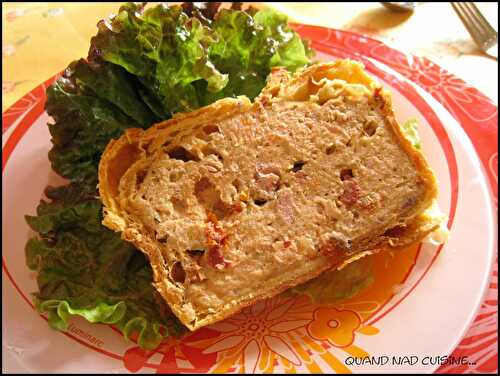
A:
x: 426, y: 318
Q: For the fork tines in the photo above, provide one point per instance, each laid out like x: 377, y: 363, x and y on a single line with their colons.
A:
x: 479, y: 28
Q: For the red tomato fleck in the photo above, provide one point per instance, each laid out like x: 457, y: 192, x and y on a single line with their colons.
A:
x: 351, y: 193
x: 216, y: 240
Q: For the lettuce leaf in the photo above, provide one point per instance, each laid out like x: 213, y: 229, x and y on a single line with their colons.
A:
x: 84, y: 124
x: 87, y: 270
x: 187, y: 57
x: 249, y: 45
x: 165, y: 49
x: 410, y: 130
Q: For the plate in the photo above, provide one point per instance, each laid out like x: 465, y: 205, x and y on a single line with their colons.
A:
x: 409, y: 320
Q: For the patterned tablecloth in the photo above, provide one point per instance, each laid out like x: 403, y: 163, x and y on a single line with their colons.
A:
x: 40, y: 39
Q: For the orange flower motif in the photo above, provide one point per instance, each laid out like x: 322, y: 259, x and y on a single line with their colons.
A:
x: 258, y: 335
x: 335, y: 326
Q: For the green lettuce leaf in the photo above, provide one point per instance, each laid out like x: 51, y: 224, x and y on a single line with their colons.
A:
x: 186, y: 58
x: 249, y: 45
x: 410, y: 130
x: 112, y: 83
x: 84, y: 124
x: 87, y: 270
x: 165, y: 49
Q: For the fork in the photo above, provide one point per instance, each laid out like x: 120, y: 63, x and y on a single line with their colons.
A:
x: 479, y: 28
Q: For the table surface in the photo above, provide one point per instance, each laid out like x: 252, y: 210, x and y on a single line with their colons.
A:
x: 40, y: 39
